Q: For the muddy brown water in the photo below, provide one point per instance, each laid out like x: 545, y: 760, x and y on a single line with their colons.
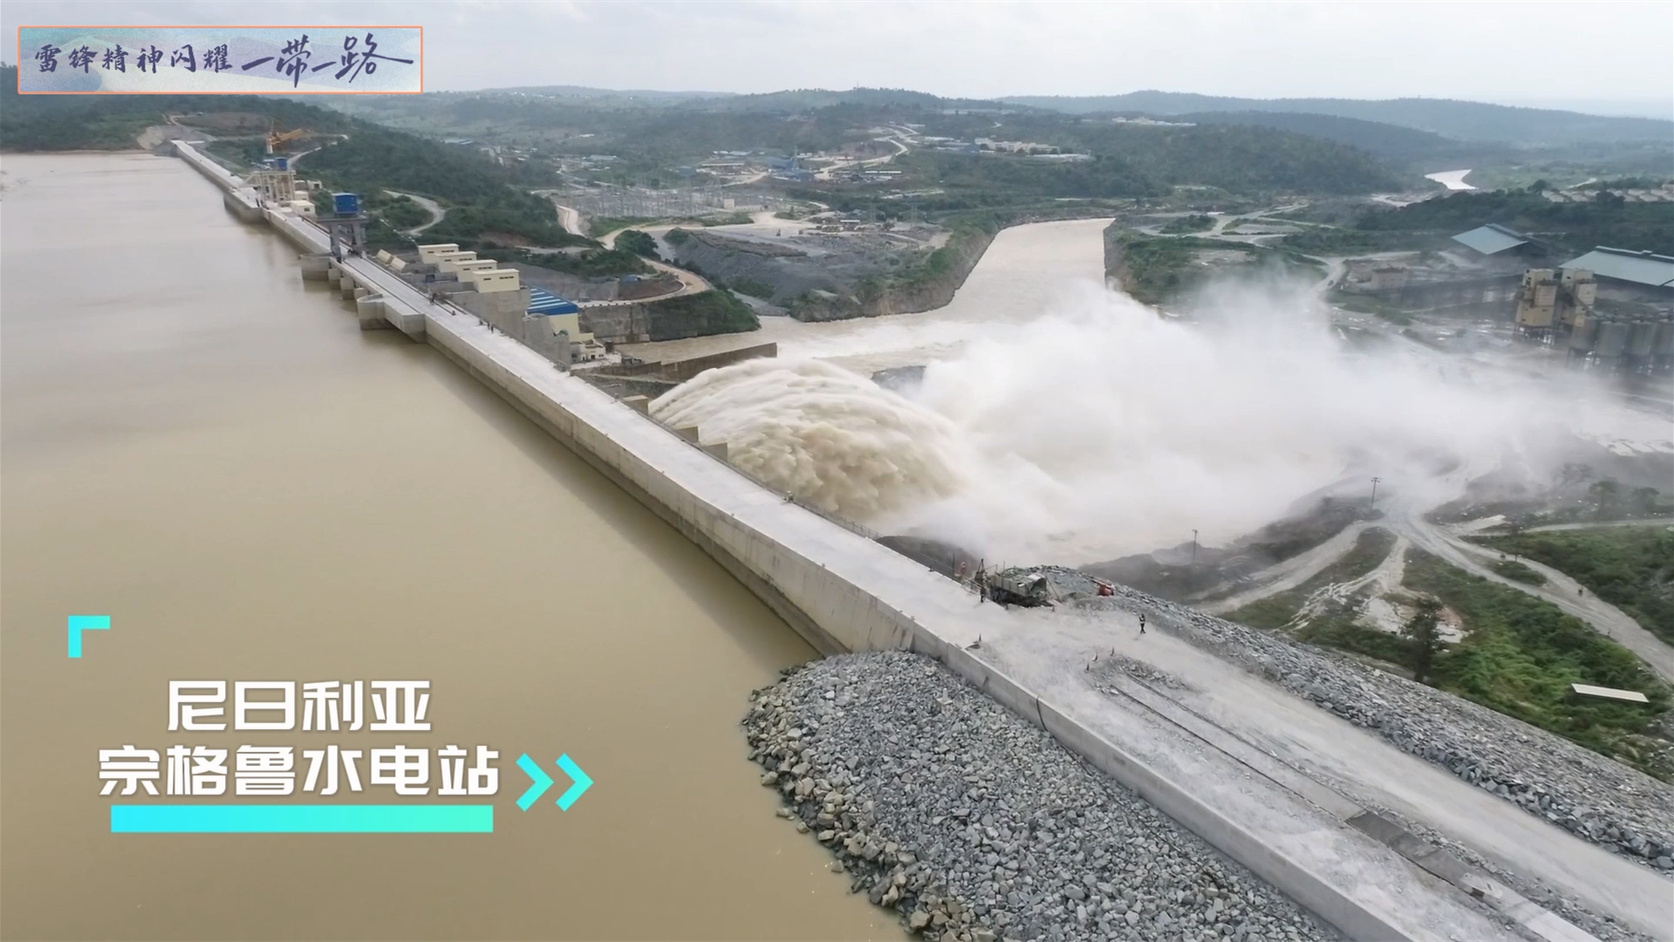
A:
x: 208, y: 450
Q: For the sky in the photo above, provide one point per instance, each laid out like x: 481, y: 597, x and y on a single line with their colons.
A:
x: 1608, y: 57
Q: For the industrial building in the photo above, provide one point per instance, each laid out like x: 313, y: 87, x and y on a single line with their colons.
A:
x: 1625, y: 322
x: 1549, y: 300
x: 1497, y: 246
x: 1629, y: 276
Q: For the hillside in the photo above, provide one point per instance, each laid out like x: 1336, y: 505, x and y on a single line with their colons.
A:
x: 1461, y: 120
x: 1389, y: 142
x: 808, y: 99
x: 485, y: 200
x: 1571, y: 227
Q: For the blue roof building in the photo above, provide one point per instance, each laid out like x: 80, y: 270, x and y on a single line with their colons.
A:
x: 545, y: 302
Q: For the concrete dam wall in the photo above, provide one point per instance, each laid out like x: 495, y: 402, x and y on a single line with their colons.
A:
x: 843, y: 591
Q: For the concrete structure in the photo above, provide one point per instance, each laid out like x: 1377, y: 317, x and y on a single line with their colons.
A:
x: 1554, y: 301
x: 1624, y: 266
x: 445, y: 261
x: 842, y: 590
x: 1389, y: 277
x: 275, y: 186
x: 498, y: 279
x: 481, y: 264
x: 428, y: 253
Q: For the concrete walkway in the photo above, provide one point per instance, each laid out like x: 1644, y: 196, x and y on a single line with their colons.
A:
x: 1049, y: 651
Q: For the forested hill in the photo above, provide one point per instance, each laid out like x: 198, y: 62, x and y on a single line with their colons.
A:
x: 483, y: 196
x: 807, y: 99
x: 1574, y: 227
x: 111, y: 122
x: 1461, y: 120
x: 1388, y: 141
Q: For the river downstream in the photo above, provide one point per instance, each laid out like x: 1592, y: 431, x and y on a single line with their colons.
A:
x: 1028, y: 272
x: 207, y: 449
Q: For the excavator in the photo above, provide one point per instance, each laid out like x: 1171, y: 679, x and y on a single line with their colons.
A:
x: 275, y: 137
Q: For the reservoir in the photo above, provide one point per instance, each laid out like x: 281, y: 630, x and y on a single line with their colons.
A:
x: 207, y: 449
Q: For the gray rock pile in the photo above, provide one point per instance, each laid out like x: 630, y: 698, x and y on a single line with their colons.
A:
x: 1601, y: 800
x: 975, y: 826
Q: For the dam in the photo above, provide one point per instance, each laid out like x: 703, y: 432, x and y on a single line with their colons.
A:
x: 208, y: 449
x: 841, y: 591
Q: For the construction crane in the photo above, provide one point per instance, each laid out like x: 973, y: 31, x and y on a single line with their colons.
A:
x: 276, y: 137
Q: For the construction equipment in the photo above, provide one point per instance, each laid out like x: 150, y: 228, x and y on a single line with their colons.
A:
x: 275, y: 137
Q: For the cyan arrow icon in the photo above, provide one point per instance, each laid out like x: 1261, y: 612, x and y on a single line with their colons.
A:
x: 582, y: 782
x: 542, y: 782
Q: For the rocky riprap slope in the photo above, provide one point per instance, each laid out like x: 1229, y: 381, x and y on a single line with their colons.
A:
x: 975, y: 825
x: 1595, y: 798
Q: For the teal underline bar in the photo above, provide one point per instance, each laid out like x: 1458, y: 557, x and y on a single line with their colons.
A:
x: 301, y: 819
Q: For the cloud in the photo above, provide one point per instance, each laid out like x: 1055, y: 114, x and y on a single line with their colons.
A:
x: 1473, y: 50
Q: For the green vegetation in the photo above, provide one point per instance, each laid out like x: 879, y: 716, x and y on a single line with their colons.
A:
x: 1422, y: 633
x: 398, y: 211
x: 1161, y: 269
x: 1571, y: 227
x: 1280, y: 609
x: 487, y: 208
x: 1462, y: 120
x: 1520, y: 654
x: 1388, y: 141
x: 1517, y: 572
x: 752, y: 287
x: 1629, y: 567
x: 112, y: 122
x: 697, y: 315
x: 605, y: 225
x: 676, y: 236
x: 1196, y: 222
x: 637, y: 242
x: 1336, y: 625
x: 727, y: 219
x: 589, y: 263
x: 658, y: 144
x: 1325, y: 241
x: 239, y: 155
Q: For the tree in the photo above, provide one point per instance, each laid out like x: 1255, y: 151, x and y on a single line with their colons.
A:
x: 1422, y: 632
x: 637, y: 242
x: 1645, y: 499
x: 1606, y: 494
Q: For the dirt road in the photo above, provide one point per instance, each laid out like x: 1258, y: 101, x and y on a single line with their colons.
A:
x: 436, y: 210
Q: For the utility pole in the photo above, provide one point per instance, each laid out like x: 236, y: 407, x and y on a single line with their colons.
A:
x: 1375, y: 481
x: 1194, y: 547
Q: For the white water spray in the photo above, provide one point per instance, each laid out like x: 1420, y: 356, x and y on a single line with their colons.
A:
x: 1099, y: 429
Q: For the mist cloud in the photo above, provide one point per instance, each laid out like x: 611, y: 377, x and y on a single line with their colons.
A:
x: 1100, y: 429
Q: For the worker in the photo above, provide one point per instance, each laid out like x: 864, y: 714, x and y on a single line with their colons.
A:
x: 1141, y: 622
